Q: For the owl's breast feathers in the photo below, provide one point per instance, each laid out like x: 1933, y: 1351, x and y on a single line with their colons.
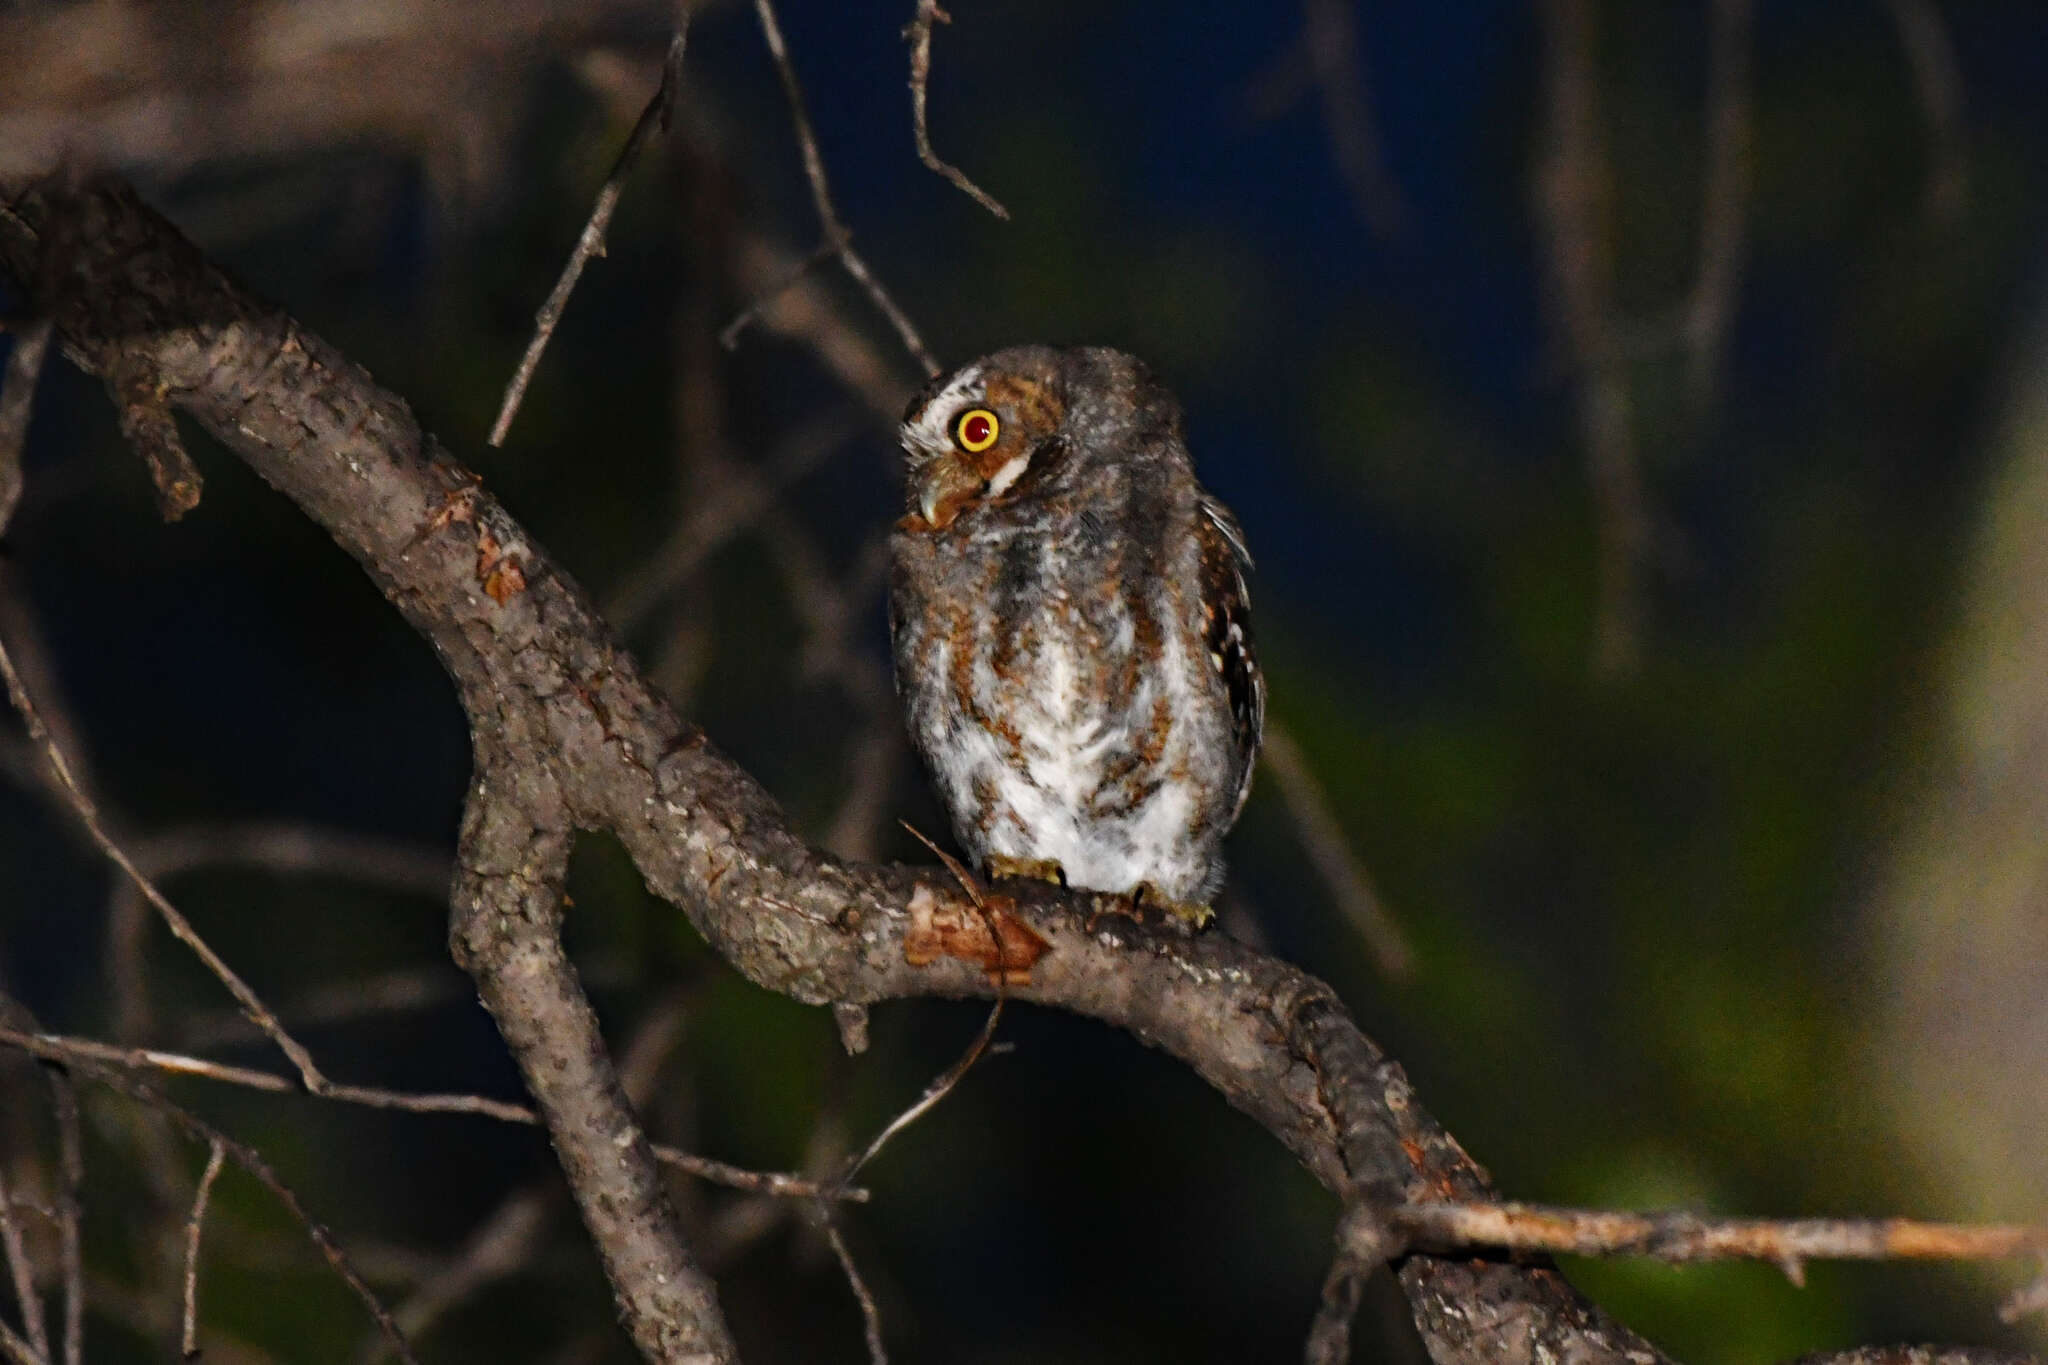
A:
x: 1089, y: 699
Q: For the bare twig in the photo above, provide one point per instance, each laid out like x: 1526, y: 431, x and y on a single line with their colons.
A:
x: 1938, y: 82
x: 188, y: 1334
x: 811, y: 316
x: 82, y: 804
x: 1724, y: 192
x: 1573, y: 206
x: 61, y: 1048
x: 941, y: 1086
x: 838, y: 242
x: 146, y: 423
x: 502, y: 1244
x: 870, y: 1315
x: 1331, y: 853
x: 252, y: 1162
x: 920, y: 35
x: 23, y: 1275
x: 17, y: 401
x: 1681, y: 1237
x: 654, y: 117
x: 1363, y: 1245
x: 71, y: 1168
x: 507, y: 1241
x: 1330, y: 39
x: 16, y: 1350
x: 740, y: 500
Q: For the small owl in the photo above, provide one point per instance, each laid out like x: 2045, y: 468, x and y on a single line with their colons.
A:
x: 1071, y: 626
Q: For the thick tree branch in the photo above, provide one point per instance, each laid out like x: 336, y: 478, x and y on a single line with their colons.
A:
x: 569, y: 736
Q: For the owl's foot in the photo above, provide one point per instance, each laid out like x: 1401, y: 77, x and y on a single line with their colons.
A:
x: 1147, y: 897
x: 1003, y: 867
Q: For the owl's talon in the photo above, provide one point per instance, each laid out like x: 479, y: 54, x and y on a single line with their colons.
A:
x: 1147, y: 897
x: 1002, y: 867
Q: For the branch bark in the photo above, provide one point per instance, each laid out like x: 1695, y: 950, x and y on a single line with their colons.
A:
x: 569, y: 736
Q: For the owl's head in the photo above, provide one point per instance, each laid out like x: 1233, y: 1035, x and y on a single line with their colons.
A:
x: 1010, y: 422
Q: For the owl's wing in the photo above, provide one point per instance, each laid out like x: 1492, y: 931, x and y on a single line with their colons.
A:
x: 1227, y: 630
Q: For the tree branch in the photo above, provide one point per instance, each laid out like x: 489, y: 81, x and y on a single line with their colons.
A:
x: 568, y: 735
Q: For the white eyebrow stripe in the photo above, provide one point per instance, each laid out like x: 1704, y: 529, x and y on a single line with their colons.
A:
x: 928, y: 431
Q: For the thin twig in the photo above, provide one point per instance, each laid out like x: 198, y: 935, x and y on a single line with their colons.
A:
x: 23, y: 1276
x: 1363, y: 1245
x: 1331, y: 853
x: 147, y: 425
x: 740, y: 500
x: 729, y: 335
x: 1680, y: 1237
x: 17, y: 401
x: 16, y: 1350
x: 1938, y: 82
x: 870, y: 1314
x: 837, y: 241
x: 182, y: 928
x: 71, y: 1168
x: 941, y: 1086
x: 252, y: 1162
x: 920, y: 35
x: 1330, y: 40
x: 188, y: 1334
x: 1724, y: 192
x: 654, y: 117
x: 63, y: 1048
x: 508, y: 1240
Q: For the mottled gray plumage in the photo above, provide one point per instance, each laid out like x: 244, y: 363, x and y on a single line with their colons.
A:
x: 1070, y: 623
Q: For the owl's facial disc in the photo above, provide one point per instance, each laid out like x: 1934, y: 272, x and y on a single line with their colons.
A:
x: 974, y: 439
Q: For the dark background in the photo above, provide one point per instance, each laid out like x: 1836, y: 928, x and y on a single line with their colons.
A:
x: 1645, y: 971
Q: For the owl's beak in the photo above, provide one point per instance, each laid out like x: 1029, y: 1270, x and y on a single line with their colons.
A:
x: 947, y: 484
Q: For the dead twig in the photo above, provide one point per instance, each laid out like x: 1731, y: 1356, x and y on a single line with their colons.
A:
x: 71, y: 1169
x: 1330, y: 851
x: 920, y: 35
x: 870, y: 1314
x: 65, y: 1049
x: 1683, y: 1237
x: 23, y: 1276
x: 82, y: 804
x: 740, y: 500
x: 655, y: 117
x: 188, y: 1333
x: 147, y: 425
x: 251, y: 1161
x: 1363, y: 1245
x: 17, y: 401
x: 17, y: 1350
x: 942, y: 1085
x: 838, y: 242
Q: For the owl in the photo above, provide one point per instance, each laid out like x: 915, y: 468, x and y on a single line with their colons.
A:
x: 1071, y: 627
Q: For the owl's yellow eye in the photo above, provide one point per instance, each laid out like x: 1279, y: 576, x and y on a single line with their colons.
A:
x: 976, y: 430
